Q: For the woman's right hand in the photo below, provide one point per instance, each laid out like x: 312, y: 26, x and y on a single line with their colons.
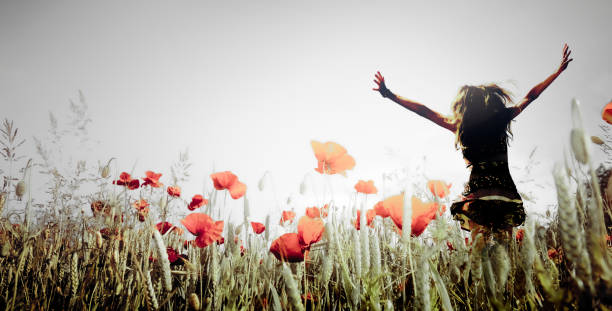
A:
x: 566, y: 60
x: 382, y: 88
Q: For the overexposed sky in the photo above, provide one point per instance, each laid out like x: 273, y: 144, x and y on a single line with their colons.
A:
x: 247, y: 84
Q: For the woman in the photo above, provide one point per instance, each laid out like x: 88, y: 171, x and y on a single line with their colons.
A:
x: 480, y: 122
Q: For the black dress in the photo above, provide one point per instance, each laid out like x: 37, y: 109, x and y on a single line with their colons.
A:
x: 490, y: 197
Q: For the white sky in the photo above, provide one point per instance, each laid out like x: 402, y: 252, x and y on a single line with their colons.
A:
x: 247, y: 84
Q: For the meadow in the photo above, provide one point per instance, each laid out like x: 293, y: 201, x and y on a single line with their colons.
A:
x: 118, y: 246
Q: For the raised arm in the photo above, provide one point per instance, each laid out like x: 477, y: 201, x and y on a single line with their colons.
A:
x: 538, y: 89
x: 419, y: 109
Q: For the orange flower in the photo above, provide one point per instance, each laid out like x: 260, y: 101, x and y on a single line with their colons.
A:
x: 140, y: 204
x: 422, y: 213
x: 332, y: 158
x: 204, y: 228
x: 288, y: 248
x: 313, y: 212
x: 287, y: 216
x: 227, y: 180
x: 310, y: 230
x: 174, y: 191
x: 126, y: 180
x: 152, y: 179
x: 196, y: 202
x: 381, y: 210
x: 439, y: 188
x: 370, y: 214
x: 606, y: 113
x: 366, y: 187
x: 258, y: 227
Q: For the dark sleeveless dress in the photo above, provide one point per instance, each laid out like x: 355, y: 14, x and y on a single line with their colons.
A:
x: 490, y: 197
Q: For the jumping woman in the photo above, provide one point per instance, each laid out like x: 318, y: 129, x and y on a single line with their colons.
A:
x: 480, y: 121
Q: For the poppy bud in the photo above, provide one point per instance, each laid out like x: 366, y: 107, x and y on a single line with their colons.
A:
x: 238, y: 230
x: 579, y: 146
x: 105, y: 172
x: 163, y: 201
x: 596, y: 140
x: 20, y: 189
x: 194, y: 302
x: 6, y: 249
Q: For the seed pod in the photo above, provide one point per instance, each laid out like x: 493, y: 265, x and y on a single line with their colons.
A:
x: 20, y: 189
x: 194, y: 302
x: 105, y: 172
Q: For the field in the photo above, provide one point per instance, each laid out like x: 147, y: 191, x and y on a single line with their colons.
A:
x: 122, y: 254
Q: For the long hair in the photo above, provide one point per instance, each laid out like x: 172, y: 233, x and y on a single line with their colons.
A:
x: 481, y: 115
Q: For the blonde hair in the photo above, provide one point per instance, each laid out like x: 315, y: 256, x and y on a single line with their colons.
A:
x: 481, y: 114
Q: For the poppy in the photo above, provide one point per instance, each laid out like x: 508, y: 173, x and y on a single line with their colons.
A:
x: 450, y: 246
x: 325, y: 211
x: 174, y: 191
x: 606, y: 113
x: 108, y: 233
x: 142, y: 214
x: 310, y: 230
x: 99, y: 206
x: 366, y: 187
x: 439, y: 188
x: 519, y: 235
x: 196, y: 202
x: 220, y: 240
x: 152, y: 179
x: 204, y: 228
x: 370, y: 214
x: 552, y: 253
x: 140, y: 204
x: 287, y: 216
x: 165, y: 226
x: 258, y: 227
x: 287, y: 247
x: 126, y: 180
x: 227, y: 180
x: 381, y: 210
x: 422, y: 213
x: 331, y: 158
x: 313, y: 212
x: 174, y: 257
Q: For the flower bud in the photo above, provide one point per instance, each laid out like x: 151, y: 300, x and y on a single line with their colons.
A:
x: 596, y: 140
x: 20, y: 189
x: 105, y: 172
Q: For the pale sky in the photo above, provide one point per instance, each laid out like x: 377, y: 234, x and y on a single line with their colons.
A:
x: 247, y: 84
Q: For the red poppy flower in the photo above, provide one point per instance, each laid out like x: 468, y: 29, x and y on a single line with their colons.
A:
x: 126, y: 180
x: 287, y: 216
x: 152, y: 179
x: 163, y: 227
x: 174, y: 191
x: 332, y: 158
x: 258, y: 227
x: 552, y: 253
x: 310, y: 230
x: 450, y: 246
x: 313, y: 212
x: 220, y: 240
x: 142, y: 214
x: 325, y: 211
x: 108, y: 233
x: 381, y: 210
x: 173, y: 255
x: 227, y: 180
x: 370, y: 214
x: 204, y: 228
x: 422, y: 213
x: 366, y: 187
x: 288, y: 248
x: 439, y: 188
x: 519, y: 235
x: 196, y: 202
x: 606, y: 113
